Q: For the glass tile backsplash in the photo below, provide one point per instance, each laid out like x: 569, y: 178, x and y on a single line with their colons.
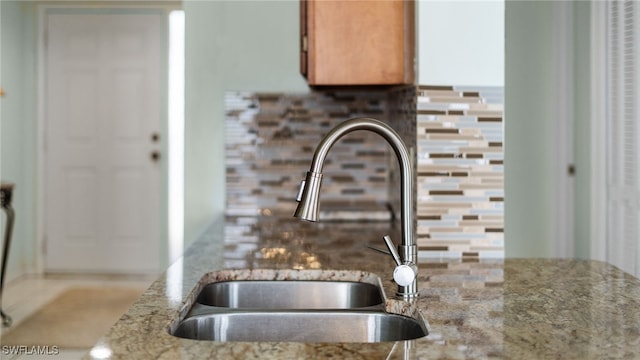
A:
x: 460, y: 172
x: 456, y: 133
x: 270, y: 140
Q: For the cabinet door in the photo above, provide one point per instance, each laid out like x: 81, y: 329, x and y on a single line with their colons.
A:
x: 356, y: 42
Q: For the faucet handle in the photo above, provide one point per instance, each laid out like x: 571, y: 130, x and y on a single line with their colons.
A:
x: 300, y: 191
x: 405, y: 273
x: 392, y: 250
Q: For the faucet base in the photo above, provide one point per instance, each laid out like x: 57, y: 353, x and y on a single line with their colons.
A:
x: 407, y: 296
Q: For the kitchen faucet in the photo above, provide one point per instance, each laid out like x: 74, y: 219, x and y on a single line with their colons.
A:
x: 406, y: 271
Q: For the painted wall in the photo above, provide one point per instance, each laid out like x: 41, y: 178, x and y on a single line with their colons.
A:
x: 582, y: 128
x: 533, y: 219
x: 529, y: 123
x: 17, y: 129
x: 460, y: 42
x: 230, y: 45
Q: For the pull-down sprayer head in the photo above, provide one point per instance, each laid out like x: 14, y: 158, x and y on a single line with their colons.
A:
x: 309, y: 197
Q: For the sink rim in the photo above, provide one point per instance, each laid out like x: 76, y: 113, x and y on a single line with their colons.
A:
x: 289, y: 275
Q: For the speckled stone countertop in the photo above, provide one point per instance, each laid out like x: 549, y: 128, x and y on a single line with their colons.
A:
x: 516, y: 308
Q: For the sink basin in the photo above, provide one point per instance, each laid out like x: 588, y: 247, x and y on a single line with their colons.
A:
x: 309, y: 326
x: 288, y: 294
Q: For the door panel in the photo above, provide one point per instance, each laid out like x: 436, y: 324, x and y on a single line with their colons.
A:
x: 81, y: 187
x: 102, y: 190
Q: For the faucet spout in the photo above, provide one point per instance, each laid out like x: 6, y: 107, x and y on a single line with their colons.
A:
x: 309, y: 193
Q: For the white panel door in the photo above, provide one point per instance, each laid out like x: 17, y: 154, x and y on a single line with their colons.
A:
x: 103, y: 99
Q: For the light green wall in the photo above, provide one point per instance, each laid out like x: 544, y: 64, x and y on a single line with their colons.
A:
x: 230, y: 45
x: 18, y: 124
x: 458, y: 47
x: 529, y: 122
x: 531, y: 92
x: 582, y: 127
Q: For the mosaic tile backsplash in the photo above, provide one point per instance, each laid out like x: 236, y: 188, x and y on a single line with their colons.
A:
x: 460, y: 172
x: 270, y: 141
x: 456, y: 134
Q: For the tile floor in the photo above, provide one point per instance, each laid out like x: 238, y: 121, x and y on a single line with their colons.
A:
x: 23, y: 296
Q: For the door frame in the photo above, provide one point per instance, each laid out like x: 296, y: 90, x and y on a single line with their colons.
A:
x: 598, y: 202
x: 41, y: 146
x: 563, y: 214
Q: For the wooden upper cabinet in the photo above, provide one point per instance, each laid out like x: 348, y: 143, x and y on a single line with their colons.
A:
x: 357, y: 42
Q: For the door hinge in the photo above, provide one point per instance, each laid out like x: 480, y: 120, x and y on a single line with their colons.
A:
x: 571, y: 169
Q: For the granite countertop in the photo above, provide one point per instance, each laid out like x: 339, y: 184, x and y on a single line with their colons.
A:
x: 516, y: 308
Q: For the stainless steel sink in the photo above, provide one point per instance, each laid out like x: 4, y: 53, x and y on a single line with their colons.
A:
x: 297, y: 326
x: 282, y: 294
x: 309, y: 310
